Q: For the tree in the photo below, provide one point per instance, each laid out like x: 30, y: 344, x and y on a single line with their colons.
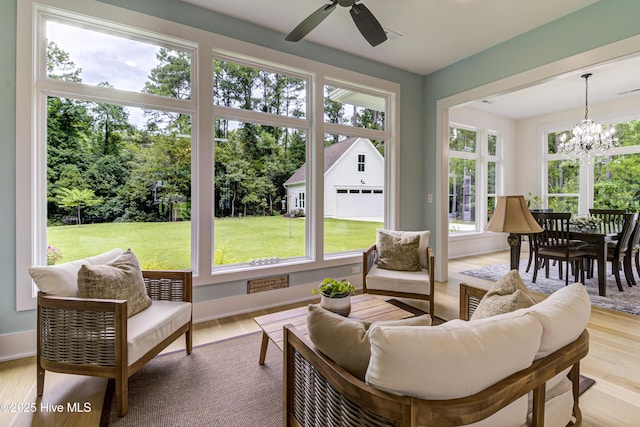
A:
x: 68, y: 130
x: 77, y: 198
x: 59, y: 66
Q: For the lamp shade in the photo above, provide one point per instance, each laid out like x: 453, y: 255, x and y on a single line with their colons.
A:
x: 512, y: 215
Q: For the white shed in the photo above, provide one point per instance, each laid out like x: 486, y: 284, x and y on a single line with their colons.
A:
x: 353, y: 181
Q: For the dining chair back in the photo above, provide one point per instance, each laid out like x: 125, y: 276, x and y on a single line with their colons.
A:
x: 612, y: 219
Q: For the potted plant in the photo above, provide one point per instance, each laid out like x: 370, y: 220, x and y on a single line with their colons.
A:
x: 335, y: 295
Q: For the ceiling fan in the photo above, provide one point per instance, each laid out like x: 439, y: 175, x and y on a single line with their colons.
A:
x: 362, y: 16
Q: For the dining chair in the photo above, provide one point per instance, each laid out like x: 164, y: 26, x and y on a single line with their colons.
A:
x: 531, y: 237
x: 632, y: 255
x: 616, y: 250
x: 612, y: 219
x: 554, y: 244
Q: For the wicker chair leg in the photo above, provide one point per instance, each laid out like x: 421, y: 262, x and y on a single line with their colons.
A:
x: 189, y: 341
x: 122, y: 396
x: 39, y: 380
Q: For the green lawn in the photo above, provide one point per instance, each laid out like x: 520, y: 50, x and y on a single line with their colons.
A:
x: 166, y: 245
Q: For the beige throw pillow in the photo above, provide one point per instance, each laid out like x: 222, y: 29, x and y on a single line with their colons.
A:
x: 119, y: 279
x: 508, y: 294
x: 398, y: 252
x: 346, y: 340
x: 422, y: 247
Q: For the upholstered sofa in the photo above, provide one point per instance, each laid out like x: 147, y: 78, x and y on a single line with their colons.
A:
x: 103, y: 337
x: 519, y: 368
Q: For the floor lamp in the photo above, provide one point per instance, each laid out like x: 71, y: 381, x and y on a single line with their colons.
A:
x: 512, y: 216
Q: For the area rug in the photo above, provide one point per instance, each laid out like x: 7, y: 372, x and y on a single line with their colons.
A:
x: 627, y: 301
x: 219, y: 384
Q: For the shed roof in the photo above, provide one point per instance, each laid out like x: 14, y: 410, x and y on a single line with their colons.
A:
x: 331, y: 155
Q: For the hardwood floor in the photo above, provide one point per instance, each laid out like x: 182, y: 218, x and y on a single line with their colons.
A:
x: 613, y: 361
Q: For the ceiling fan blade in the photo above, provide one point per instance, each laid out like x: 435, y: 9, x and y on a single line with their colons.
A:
x: 368, y: 24
x: 310, y: 22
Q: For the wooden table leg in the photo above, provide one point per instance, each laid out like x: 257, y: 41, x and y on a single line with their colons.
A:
x: 602, y: 268
x: 263, y: 347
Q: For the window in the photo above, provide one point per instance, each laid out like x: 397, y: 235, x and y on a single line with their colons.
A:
x: 473, y: 177
x: 116, y: 173
x: 193, y: 158
x: 609, y: 183
x: 351, y: 216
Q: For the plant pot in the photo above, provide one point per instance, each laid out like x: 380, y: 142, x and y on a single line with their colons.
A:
x: 340, y: 304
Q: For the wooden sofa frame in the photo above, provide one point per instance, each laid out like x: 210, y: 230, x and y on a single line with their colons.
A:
x: 89, y: 336
x: 369, y: 258
x: 319, y: 392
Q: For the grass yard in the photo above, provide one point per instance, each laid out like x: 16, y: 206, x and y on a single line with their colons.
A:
x: 167, y: 245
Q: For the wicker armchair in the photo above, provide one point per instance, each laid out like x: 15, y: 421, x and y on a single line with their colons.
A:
x: 94, y: 336
x: 425, y: 278
x: 317, y: 391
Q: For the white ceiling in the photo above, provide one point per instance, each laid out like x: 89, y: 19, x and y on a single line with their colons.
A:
x: 435, y: 33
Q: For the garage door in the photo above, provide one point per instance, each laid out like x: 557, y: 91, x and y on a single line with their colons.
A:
x: 351, y: 203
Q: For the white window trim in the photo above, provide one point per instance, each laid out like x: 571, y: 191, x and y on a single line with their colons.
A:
x: 29, y: 180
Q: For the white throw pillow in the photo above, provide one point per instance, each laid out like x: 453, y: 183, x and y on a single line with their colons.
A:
x: 452, y: 360
x: 62, y: 279
x: 564, y: 315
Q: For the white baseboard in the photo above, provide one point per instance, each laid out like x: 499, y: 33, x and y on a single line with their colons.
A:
x: 17, y: 345
x: 23, y: 344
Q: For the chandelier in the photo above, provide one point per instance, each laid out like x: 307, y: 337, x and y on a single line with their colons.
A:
x: 588, y: 140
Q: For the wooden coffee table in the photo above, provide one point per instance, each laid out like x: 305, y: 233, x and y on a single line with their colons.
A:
x: 363, y: 307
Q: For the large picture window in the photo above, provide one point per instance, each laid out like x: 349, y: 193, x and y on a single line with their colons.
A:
x: 608, y: 183
x: 201, y: 159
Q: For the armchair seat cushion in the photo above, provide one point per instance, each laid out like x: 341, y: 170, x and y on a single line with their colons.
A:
x: 398, y: 281
x: 154, y: 324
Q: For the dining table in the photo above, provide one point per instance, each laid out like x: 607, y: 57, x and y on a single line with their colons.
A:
x: 599, y: 236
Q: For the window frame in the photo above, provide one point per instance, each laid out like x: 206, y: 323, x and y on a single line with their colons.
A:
x: 585, y: 194
x: 482, y: 157
x: 30, y: 158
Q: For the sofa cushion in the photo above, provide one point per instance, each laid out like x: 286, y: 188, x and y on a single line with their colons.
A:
x: 398, y: 252
x: 154, y: 324
x: 452, y: 360
x: 422, y: 246
x: 346, y: 340
x: 62, y: 279
x: 398, y: 281
x: 564, y: 316
x: 119, y: 279
x: 509, y: 293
